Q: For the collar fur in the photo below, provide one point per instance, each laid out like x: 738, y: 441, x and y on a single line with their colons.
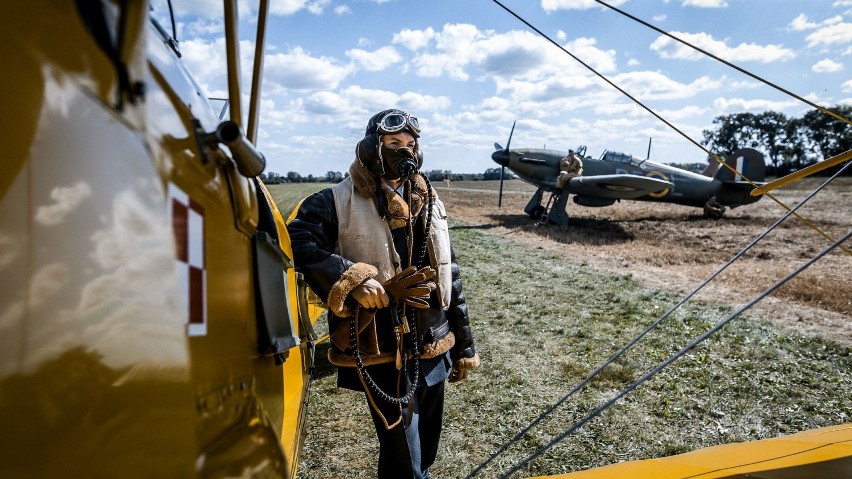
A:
x: 365, y: 185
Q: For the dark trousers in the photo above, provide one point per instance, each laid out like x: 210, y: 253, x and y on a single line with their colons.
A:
x: 409, y: 448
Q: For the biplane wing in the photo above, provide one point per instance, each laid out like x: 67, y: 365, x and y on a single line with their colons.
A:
x: 824, y: 452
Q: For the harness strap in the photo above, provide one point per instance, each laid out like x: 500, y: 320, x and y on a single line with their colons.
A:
x: 369, y: 384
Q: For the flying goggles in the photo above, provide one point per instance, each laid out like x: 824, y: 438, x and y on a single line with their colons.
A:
x: 396, y: 121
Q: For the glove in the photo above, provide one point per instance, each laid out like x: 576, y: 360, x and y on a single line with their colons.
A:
x: 461, y: 366
x: 412, y: 286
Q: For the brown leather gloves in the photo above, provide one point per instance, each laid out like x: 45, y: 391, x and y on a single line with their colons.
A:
x: 412, y: 286
x: 461, y: 366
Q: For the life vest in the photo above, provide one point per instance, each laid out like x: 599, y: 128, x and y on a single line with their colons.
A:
x: 364, y: 237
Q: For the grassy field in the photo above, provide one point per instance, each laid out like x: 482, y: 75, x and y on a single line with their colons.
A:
x: 543, y: 320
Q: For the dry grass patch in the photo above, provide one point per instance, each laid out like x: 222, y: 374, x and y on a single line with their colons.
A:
x: 550, y: 305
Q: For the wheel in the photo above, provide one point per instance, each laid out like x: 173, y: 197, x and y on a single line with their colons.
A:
x: 537, y: 212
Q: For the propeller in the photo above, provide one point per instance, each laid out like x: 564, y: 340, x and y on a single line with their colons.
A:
x: 501, y: 157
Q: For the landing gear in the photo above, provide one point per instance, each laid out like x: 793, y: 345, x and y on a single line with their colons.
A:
x: 537, y: 212
x: 554, y: 211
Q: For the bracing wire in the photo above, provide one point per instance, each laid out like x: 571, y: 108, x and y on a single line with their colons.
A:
x: 648, y: 329
x: 670, y: 125
x: 688, y: 296
x: 721, y: 60
x: 674, y: 357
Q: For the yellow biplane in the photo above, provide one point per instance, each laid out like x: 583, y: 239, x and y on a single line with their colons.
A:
x: 151, y: 321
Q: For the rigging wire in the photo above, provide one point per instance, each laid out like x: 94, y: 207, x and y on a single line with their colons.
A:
x: 735, y: 67
x: 698, y: 288
x: 648, y: 329
x: 675, y: 356
x: 670, y: 125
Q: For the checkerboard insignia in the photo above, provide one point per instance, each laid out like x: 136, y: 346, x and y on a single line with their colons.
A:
x: 188, y: 229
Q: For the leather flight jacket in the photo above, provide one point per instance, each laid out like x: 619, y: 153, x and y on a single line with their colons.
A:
x: 315, y: 234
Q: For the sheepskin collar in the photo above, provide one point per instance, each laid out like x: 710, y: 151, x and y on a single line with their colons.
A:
x: 365, y: 185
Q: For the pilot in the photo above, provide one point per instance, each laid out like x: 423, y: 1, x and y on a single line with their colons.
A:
x: 713, y: 209
x: 569, y: 167
x: 357, y: 244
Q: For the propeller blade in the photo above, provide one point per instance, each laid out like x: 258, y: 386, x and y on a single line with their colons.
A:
x: 497, y: 146
x: 500, y: 196
x: 503, y: 163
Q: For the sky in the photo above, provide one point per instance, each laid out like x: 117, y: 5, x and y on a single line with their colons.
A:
x: 468, y: 69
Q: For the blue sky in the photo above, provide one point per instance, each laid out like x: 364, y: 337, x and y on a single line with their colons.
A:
x: 468, y: 69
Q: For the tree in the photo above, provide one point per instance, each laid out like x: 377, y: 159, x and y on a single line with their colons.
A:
x: 771, y: 131
x: 828, y: 135
x: 491, y: 174
x: 334, y: 177
x: 294, y: 177
x: 795, y: 148
x: 734, y: 132
x: 788, y: 143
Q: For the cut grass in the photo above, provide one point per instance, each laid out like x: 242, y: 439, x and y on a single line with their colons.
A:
x: 541, y: 324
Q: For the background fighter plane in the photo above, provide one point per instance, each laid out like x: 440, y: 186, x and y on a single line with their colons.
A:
x: 620, y: 176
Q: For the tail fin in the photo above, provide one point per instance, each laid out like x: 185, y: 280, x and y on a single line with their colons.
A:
x: 748, y: 162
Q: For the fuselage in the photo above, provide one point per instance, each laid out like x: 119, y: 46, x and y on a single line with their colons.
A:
x: 540, y: 167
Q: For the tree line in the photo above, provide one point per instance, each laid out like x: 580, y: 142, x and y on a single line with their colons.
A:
x: 272, y: 178
x: 788, y: 143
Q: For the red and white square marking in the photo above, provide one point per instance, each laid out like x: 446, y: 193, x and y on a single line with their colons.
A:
x: 188, y: 229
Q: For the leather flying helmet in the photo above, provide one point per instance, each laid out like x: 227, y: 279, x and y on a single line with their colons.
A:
x: 381, y: 160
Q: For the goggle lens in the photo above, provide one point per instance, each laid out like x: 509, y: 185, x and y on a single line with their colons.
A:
x: 394, y: 122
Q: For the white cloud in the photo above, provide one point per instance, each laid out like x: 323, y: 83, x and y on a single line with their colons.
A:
x: 286, y: 7
x: 705, y: 3
x: 298, y: 70
x: 827, y: 66
x: 206, y: 61
x: 374, y: 61
x: 846, y: 87
x: 685, y: 113
x: 801, y: 23
x: 414, y: 39
x: 65, y: 200
x: 828, y: 32
x: 458, y: 47
x: 659, y: 18
x: 10, y: 248
x: 647, y: 85
x: 354, y: 105
x: 830, y: 35
x: 727, y: 105
x: 342, y: 10
x: 200, y: 27
x: 554, y: 5
x: 667, y: 48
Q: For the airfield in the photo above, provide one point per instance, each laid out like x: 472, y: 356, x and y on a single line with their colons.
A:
x: 674, y: 248
x: 550, y: 303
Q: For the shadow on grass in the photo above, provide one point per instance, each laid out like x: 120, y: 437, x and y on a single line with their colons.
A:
x: 323, y: 368
x: 485, y: 226
x: 587, y: 231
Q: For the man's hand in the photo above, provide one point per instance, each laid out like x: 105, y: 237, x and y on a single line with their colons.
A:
x: 371, y: 294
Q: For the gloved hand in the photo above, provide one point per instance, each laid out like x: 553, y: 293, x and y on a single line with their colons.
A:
x: 412, y: 286
x: 461, y: 366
